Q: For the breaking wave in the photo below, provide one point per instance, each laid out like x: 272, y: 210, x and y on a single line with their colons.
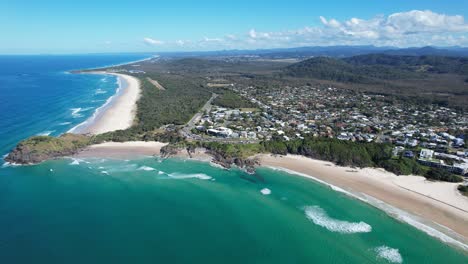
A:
x: 146, y: 168
x: 200, y: 176
x: 320, y: 217
x: 390, y: 254
x: 265, y: 191
x: 100, y: 91
x: 75, y: 162
x: 46, y: 133
x: 64, y: 123
x: 76, y: 112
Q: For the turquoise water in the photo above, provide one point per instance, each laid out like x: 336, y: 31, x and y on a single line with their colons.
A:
x: 171, y: 211
x: 176, y: 211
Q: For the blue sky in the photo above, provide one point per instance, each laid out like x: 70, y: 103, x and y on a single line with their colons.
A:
x: 85, y: 26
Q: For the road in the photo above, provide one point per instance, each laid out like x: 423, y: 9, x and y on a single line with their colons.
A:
x: 186, y: 131
x: 207, y: 107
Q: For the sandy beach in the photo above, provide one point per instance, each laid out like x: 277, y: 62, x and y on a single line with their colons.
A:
x: 119, y: 113
x: 122, y: 150
x: 434, y: 207
x: 436, y: 204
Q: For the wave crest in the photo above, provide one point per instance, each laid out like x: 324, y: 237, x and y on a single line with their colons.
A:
x: 146, y: 168
x: 320, y: 217
x: 46, y: 133
x: 390, y: 254
x: 200, y: 176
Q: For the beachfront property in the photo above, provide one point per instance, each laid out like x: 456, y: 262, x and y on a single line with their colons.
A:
x: 452, y: 163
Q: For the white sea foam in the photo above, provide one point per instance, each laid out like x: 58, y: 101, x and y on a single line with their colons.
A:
x: 200, y: 176
x: 77, y: 128
x: 265, y: 191
x: 64, y: 123
x: 76, y: 162
x: 442, y: 233
x: 390, y: 254
x: 215, y: 165
x: 320, y: 217
x: 76, y: 112
x: 146, y: 168
x: 100, y: 91
x: 105, y: 172
x: 8, y: 164
x: 46, y: 133
x: 161, y: 172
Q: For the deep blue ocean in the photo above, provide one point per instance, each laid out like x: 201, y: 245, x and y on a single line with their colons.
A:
x: 149, y: 210
x: 39, y: 96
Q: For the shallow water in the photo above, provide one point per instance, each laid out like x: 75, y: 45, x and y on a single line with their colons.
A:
x: 148, y: 210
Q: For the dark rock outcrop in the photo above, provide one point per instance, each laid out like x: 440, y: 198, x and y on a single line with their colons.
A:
x: 248, y: 164
x: 27, y: 155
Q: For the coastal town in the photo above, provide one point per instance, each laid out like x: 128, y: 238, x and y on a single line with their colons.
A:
x: 429, y: 133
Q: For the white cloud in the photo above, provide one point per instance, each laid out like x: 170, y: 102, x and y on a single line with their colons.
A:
x: 425, y: 21
x: 205, y: 39
x: 153, y: 42
x: 181, y: 42
x: 398, y: 25
x: 253, y: 34
x: 231, y: 37
x: 412, y: 28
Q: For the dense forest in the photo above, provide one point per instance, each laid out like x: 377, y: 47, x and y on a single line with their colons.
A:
x: 182, y: 98
x: 229, y: 99
x: 374, y: 67
x: 418, y: 79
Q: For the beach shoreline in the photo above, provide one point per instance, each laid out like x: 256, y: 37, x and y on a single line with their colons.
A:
x: 435, y: 208
x: 119, y: 111
x: 122, y: 150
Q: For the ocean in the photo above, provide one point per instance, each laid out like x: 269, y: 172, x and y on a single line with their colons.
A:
x: 148, y: 210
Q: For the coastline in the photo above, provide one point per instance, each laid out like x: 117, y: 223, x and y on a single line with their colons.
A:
x: 406, y: 198
x: 435, y: 208
x: 118, y: 112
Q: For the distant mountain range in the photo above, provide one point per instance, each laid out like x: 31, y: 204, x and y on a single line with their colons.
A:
x: 329, y: 51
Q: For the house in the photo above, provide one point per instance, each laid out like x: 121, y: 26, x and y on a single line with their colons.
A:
x: 397, y: 150
x: 458, y: 142
x: 426, y: 154
x: 220, y: 132
x: 408, y: 154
